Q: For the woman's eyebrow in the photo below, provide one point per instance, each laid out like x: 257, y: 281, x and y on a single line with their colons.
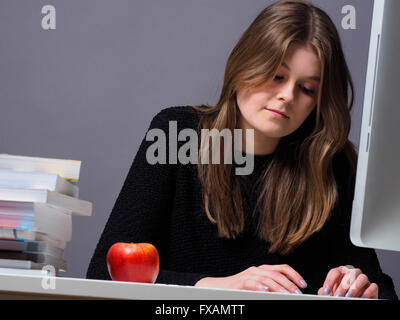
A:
x: 316, y: 78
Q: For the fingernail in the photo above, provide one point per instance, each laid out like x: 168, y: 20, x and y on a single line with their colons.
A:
x: 285, y: 291
x: 326, y: 290
x: 265, y: 288
x: 298, y: 292
x: 349, y: 294
x: 339, y: 294
x: 363, y: 297
x: 303, y: 283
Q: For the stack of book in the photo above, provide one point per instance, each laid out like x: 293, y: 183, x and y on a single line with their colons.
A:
x: 38, y: 197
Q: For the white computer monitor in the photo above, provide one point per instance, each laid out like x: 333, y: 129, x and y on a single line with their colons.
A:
x: 375, y: 219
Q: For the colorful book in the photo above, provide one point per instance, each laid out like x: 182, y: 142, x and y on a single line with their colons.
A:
x: 37, y: 180
x: 36, y: 217
x: 30, y: 235
x: 31, y: 246
x: 68, y: 169
x: 75, y: 205
x: 24, y: 260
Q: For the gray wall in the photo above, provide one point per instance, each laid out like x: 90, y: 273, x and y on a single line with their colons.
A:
x: 89, y: 89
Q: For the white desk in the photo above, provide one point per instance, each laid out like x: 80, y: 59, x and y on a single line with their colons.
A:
x: 31, y: 287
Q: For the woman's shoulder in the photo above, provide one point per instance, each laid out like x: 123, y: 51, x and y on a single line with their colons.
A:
x: 185, y: 116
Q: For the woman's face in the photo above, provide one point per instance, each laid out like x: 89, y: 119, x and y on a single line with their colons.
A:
x: 278, y: 107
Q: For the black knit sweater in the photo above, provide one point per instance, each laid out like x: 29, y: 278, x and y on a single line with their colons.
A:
x: 162, y: 204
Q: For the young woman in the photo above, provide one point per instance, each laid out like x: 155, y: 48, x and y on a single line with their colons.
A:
x: 284, y: 227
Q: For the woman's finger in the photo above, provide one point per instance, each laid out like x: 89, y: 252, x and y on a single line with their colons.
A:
x: 273, y: 286
x: 263, y: 284
x: 284, y: 282
x: 253, y: 284
x: 372, y: 292
x: 348, y: 279
x: 358, y: 286
x: 287, y: 271
x: 333, y: 279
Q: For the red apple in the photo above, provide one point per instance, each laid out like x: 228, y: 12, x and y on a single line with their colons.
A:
x: 135, y: 262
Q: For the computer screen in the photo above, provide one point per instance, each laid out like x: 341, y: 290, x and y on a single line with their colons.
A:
x: 376, y: 206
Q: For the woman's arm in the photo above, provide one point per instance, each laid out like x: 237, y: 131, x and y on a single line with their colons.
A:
x: 142, y: 210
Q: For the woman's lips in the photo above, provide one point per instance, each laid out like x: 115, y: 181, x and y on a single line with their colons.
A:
x: 277, y: 113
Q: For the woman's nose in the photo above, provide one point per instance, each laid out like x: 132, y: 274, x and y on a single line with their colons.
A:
x: 287, y: 91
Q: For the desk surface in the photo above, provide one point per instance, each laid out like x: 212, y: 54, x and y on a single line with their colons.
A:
x: 39, y: 287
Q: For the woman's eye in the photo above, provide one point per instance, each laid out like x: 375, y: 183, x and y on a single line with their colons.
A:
x: 307, y: 91
x: 304, y: 89
x: 278, y: 78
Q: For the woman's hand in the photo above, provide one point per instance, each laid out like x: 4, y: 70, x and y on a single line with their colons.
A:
x: 272, y: 278
x: 345, y: 282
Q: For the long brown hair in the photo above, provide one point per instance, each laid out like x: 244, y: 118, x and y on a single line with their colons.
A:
x: 298, y: 188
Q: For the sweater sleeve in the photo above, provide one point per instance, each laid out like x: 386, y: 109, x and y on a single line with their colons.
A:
x: 342, y: 250
x: 142, y: 211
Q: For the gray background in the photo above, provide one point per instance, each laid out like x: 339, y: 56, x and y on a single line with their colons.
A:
x: 89, y: 89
